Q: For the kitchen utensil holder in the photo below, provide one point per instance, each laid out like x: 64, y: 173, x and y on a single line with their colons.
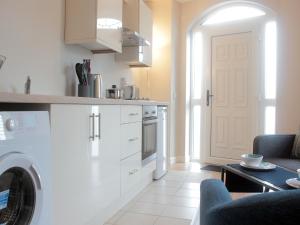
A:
x: 83, y: 90
x: 91, y: 84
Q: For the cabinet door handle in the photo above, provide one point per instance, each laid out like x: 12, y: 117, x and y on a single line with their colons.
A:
x: 133, y: 139
x: 92, y: 136
x: 99, y: 126
x: 133, y: 114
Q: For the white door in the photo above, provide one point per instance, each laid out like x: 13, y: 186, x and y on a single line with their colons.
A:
x: 234, y: 83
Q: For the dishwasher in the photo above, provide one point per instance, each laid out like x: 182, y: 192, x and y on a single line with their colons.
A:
x: 161, y: 150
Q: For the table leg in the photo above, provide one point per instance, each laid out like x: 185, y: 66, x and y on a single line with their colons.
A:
x: 222, y: 174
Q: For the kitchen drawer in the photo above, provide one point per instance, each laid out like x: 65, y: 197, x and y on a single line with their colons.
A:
x: 131, y: 114
x: 131, y: 172
x: 131, y: 139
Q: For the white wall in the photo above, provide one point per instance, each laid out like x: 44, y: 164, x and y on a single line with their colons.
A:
x: 31, y: 37
x: 288, y: 107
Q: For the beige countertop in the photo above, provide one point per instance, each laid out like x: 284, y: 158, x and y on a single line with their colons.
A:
x: 52, y: 99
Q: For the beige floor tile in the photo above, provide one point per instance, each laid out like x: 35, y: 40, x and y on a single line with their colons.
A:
x: 167, y: 183
x: 147, y: 208
x: 162, y: 190
x: 136, y: 219
x: 192, y: 186
x: 171, y: 221
x: 174, y: 178
x: 179, y: 212
x: 183, y: 201
x: 188, y: 193
x: 155, y: 198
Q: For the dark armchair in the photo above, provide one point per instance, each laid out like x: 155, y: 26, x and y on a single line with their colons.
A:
x: 277, y: 208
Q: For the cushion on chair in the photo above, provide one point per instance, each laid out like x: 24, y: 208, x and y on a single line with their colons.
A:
x: 296, y: 147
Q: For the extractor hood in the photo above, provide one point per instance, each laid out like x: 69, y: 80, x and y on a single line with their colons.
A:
x: 133, y: 38
x: 137, y: 34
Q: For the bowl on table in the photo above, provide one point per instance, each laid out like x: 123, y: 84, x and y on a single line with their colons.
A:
x: 252, y: 159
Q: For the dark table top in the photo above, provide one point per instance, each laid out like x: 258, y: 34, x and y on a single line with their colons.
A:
x: 273, y: 179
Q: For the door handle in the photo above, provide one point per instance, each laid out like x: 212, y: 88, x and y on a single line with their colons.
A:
x: 208, y: 96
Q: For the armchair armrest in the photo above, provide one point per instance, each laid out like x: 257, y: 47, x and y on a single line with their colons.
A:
x: 277, y: 208
x: 274, y: 146
x: 213, y: 193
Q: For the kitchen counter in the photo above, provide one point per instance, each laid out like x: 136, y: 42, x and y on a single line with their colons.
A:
x: 52, y: 99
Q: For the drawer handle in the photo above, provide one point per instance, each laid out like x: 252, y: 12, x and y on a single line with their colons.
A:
x: 133, y: 139
x: 133, y: 114
x: 133, y: 172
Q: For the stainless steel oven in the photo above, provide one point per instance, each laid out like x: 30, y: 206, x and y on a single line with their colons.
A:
x: 149, y: 134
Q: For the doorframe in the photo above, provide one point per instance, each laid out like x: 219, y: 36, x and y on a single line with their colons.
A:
x: 208, y: 33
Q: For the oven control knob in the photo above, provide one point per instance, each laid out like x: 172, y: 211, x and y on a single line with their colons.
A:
x: 11, y: 124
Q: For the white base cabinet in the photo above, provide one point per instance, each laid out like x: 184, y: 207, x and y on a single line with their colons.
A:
x: 86, y: 171
x: 97, y: 161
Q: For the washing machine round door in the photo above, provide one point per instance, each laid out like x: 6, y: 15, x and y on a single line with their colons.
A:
x: 20, y: 190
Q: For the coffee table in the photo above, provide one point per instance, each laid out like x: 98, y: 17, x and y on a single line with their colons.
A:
x: 240, y: 179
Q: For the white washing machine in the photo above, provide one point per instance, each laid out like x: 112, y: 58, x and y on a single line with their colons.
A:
x: 25, y: 173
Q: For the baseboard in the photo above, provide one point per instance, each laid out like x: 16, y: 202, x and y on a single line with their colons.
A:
x: 172, y: 160
x: 182, y: 159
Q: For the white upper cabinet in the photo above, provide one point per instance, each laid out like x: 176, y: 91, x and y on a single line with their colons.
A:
x: 94, y: 24
x: 137, y: 17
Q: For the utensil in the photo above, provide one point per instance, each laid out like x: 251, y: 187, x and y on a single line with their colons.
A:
x: 78, y: 69
x: 85, y: 70
x: 2, y: 60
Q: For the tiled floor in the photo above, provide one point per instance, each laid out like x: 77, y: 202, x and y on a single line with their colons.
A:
x: 173, y: 200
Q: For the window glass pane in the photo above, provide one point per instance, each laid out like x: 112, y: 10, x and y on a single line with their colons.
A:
x: 270, y: 60
x: 270, y: 114
x: 196, y: 133
x: 232, y: 14
x: 197, y: 65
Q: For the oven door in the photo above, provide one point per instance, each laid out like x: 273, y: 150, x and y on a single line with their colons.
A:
x: 149, y: 140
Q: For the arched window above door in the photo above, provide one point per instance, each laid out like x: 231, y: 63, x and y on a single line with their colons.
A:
x: 232, y: 13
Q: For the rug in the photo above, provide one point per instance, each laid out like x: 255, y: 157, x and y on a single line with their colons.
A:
x: 213, y: 168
